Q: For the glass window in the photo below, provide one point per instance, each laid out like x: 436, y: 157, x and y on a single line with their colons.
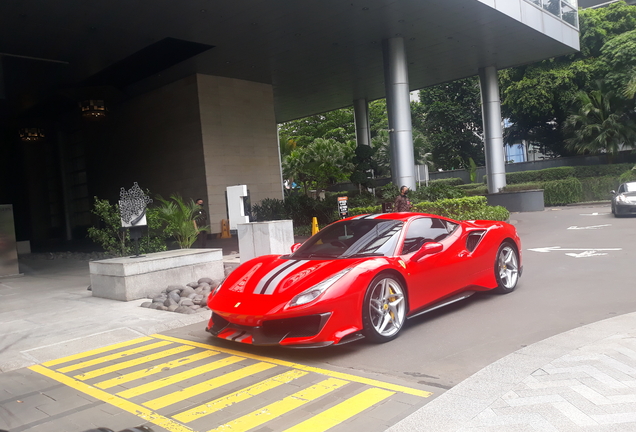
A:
x: 353, y: 238
x: 552, y: 6
x: 424, y: 230
x: 569, y: 15
x: 630, y: 187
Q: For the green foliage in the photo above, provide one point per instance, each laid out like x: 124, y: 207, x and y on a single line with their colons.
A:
x: 518, y: 187
x: 361, y: 199
x: 585, y: 171
x: 628, y: 176
x: 547, y: 174
x: 321, y: 163
x: 474, y: 189
x: 299, y: 208
x: 389, y: 192
x: 561, y: 192
x: 598, y: 188
x: 178, y: 216
x: 355, y: 211
x: 115, y: 240
x: 451, y: 207
x: 453, y: 181
x: 365, y: 165
x: 449, y: 116
x: 437, y: 191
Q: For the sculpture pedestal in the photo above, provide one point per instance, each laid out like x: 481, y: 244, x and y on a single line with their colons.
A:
x: 265, y: 238
x: 128, y: 278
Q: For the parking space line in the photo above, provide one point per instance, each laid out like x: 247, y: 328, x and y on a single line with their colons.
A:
x: 343, y: 411
x: 283, y: 406
x: 239, y: 396
x: 208, y: 385
x: 130, y: 363
x: 345, y: 376
x: 113, y: 356
x: 96, y: 351
x: 123, y: 379
x: 138, y: 410
x: 182, y: 376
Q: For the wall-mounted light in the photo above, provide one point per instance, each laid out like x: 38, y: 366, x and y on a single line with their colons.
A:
x: 93, y: 109
x: 31, y: 134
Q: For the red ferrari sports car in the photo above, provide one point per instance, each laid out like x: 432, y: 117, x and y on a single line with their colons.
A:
x: 363, y: 277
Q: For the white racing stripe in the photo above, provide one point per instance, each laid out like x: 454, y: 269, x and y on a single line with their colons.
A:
x: 274, y: 283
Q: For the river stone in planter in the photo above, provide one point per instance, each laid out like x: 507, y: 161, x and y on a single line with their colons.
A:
x: 184, y: 310
x: 186, y: 302
x: 173, y: 307
x: 187, y: 291
x: 193, y: 284
x: 174, y: 288
x: 205, y: 280
x: 146, y: 304
x: 175, y: 295
x: 159, y: 299
x: 204, y: 286
x: 169, y: 302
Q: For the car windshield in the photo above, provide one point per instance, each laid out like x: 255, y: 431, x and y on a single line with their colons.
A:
x: 352, y: 239
x: 630, y: 187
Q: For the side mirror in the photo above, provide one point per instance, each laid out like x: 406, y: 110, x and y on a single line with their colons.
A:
x: 427, y: 249
x: 295, y: 247
x: 613, y: 192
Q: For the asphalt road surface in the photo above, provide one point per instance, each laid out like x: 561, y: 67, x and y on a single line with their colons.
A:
x: 582, y: 273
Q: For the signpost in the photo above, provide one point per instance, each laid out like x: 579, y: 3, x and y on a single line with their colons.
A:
x: 342, y: 207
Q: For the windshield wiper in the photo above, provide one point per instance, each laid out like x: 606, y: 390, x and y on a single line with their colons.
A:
x: 363, y: 254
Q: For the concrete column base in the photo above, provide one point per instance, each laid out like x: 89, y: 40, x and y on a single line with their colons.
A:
x: 265, y: 238
x: 128, y: 278
x: 522, y: 201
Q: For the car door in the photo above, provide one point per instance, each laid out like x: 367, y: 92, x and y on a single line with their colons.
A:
x: 437, y: 275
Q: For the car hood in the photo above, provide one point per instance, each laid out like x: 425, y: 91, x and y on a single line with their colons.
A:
x: 266, y: 284
x: 630, y: 196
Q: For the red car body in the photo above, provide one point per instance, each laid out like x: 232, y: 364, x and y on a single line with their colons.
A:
x: 256, y: 304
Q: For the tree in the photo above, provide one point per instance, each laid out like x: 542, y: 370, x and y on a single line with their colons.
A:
x: 537, y: 98
x: 600, y: 124
x: 449, y: 118
x: 320, y: 164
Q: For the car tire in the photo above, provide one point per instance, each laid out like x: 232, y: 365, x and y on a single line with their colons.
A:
x: 384, y: 309
x: 506, y: 268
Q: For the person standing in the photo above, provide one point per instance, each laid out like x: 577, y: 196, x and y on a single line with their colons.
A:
x: 201, y: 220
x: 402, y: 203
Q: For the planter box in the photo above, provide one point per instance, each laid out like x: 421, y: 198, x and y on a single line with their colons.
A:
x: 129, y: 278
x: 522, y: 201
x: 265, y: 238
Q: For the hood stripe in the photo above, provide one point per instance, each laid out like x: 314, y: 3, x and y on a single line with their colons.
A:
x: 262, y: 284
x: 271, y: 285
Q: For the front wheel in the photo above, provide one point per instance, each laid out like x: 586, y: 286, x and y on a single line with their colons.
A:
x: 384, y: 309
x: 506, y: 268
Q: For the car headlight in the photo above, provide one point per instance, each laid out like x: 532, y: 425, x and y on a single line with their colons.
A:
x: 621, y: 198
x: 313, y: 292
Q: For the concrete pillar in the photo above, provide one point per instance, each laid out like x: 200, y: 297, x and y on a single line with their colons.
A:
x: 493, y: 131
x: 361, y: 114
x: 396, y: 82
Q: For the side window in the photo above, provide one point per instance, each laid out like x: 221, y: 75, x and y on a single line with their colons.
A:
x: 422, y: 231
x: 621, y: 189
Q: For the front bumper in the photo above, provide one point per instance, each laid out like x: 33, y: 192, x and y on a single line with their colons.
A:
x: 271, y: 332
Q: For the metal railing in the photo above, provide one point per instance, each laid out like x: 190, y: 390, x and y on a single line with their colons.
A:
x: 565, y: 10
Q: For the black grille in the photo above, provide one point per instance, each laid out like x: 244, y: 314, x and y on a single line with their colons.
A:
x: 473, y: 240
x: 306, y: 326
x: 219, y: 323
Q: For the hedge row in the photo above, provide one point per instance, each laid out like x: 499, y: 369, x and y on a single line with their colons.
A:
x: 467, y: 208
x: 561, y: 173
x: 452, y: 181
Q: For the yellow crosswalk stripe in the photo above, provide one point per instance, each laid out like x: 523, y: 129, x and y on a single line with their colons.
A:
x: 130, y: 363
x: 278, y: 408
x: 144, y: 413
x: 239, y: 396
x: 340, y: 375
x: 113, y: 356
x: 95, y: 351
x: 343, y: 411
x: 210, y: 384
x: 154, y: 369
x: 182, y: 376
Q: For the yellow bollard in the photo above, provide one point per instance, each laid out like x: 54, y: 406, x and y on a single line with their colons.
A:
x: 314, y: 226
x: 225, y: 229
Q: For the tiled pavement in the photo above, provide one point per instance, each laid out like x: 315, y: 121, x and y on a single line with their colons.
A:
x: 581, y: 380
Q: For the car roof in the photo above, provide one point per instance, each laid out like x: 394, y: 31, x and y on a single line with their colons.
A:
x: 404, y: 217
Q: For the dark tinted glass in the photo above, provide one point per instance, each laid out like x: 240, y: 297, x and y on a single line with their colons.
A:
x: 353, y: 238
x: 422, y: 231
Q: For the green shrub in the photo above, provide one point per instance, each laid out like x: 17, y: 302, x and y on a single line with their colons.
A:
x: 548, y: 174
x: 628, y: 176
x: 451, y: 207
x: 598, y: 188
x: 115, y: 240
x: 178, y: 217
x: 453, y: 181
x: 586, y: 171
x: 355, y: 211
x: 523, y: 187
x: 481, y: 190
x: 561, y: 192
x: 496, y: 213
x: 270, y: 209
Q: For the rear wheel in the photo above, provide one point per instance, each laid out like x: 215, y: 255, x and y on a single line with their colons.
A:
x: 384, y: 309
x: 506, y: 268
